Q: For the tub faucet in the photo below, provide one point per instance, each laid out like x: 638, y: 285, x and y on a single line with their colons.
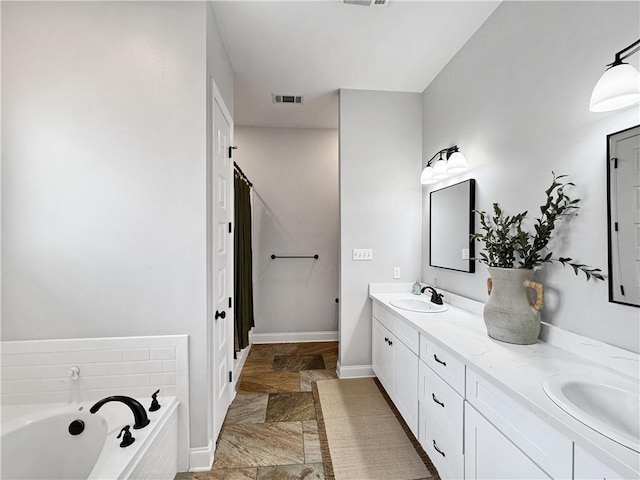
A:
x: 435, y: 296
x: 139, y: 413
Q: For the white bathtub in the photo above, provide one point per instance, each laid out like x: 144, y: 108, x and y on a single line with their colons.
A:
x: 36, y: 443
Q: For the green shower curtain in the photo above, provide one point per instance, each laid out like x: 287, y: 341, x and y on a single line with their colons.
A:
x: 243, y: 289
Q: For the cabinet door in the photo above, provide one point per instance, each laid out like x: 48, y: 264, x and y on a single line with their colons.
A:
x: 405, y: 383
x: 490, y: 455
x: 381, y: 357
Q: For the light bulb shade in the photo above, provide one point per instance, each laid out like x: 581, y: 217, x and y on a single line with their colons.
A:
x: 427, y: 176
x: 618, y: 87
x: 440, y: 169
x: 456, y: 163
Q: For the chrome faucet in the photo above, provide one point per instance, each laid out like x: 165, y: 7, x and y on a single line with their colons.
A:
x: 139, y: 413
x: 435, y: 296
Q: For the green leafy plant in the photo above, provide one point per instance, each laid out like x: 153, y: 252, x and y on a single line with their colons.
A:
x: 507, y: 244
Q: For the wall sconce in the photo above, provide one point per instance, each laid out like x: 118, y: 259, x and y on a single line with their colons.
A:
x: 619, y: 85
x: 450, y: 161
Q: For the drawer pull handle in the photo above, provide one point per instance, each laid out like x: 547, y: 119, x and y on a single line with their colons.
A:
x: 435, y: 445
x: 435, y: 357
x: 390, y: 342
x: 433, y: 395
x: 386, y: 339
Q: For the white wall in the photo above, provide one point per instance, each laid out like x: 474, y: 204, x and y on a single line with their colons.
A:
x: 516, y: 101
x: 380, y: 151
x: 295, y: 212
x: 104, y: 173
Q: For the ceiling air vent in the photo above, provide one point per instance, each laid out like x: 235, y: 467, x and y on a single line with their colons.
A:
x: 295, y: 99
x: 367, y: 3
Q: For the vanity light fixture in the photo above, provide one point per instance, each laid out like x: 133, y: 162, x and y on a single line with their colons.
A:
x: 450, y: 161
x: 619, y: 85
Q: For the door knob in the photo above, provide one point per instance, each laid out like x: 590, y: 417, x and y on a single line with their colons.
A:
x: 221, y: 314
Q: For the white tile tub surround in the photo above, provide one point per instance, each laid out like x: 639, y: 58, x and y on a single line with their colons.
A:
x: 159, y: 460
x: 37, y: 371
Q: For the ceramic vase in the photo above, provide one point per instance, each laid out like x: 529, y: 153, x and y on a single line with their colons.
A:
x: 509, y: 314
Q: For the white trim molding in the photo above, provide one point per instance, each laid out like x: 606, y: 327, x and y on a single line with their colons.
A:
x: 293, y: 337
x: 238, y: 364
x: 355, y: 371
x: 201, y: 458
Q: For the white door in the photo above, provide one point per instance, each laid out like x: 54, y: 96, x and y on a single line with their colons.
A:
x: 222, y: 279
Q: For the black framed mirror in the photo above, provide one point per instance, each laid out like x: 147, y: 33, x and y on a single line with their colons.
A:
x: 623, y: 215
x: 451, y: 222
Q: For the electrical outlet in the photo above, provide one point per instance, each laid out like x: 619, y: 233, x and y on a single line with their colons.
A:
x: 465, y: 254
x: 362, y: 254
x: 396, y: 272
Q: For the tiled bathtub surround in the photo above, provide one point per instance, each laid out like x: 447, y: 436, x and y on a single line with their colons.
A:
x: 159, y: 461
x: 37, y: 371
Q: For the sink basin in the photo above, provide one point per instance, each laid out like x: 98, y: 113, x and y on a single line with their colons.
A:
x: 417, y: 305
x: 610, y: 407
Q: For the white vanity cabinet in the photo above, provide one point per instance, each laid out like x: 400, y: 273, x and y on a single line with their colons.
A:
x: 473, y: 415
x: 395, y: 362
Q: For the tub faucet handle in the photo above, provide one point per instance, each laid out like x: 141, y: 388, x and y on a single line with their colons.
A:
x: 127, y: 439
x: 73, y: 373
x: 154, y: 402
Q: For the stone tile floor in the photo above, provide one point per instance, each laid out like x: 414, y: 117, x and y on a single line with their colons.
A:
x: 270, y: 431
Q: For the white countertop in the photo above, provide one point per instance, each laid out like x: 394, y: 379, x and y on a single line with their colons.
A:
x: 519, y: 370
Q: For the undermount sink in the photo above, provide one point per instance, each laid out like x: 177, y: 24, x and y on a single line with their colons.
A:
x: 611, y: 408
x: 417, y: 305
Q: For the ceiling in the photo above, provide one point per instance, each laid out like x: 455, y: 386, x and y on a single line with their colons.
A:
x: 313, y: 48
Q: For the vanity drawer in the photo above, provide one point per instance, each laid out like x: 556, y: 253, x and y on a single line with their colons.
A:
x: 407, y: 335
x: 401, y: 329
x: 443, y: 406
x: 547, y: 447
x: 383, y: 316
x: 445, y: 364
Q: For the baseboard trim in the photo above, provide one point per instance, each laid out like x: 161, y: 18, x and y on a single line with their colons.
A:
x: 238, y: 363
x: 291, y: 337
x: 201, y: 458
x: 355, y: 371
x: 241, y: 358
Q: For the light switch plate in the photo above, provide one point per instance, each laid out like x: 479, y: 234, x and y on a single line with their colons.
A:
x: 362, y: 254
x: 465, y: 254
